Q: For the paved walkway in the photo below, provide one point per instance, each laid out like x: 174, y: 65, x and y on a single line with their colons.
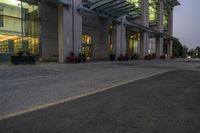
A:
x: 165, y: 103
x: 25, y: 88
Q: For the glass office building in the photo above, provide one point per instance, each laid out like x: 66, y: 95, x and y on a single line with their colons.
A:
x: 51, y: 29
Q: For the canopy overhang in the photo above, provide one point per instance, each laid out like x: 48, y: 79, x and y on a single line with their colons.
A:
x: 61, y: 2
x: 116, y: 10
x: 151, y: 31
x: 110, y: 8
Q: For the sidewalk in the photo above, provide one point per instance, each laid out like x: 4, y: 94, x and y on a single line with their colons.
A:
x: 29, y: 87
x: 166, y: 103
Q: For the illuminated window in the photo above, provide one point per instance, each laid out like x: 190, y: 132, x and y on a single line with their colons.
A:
x: 165, y: 19
x: 86, y: 40
x: 135, y: 2
x: 18, y: 27
x: 153, y: 11
x: 87, y: 45
x: 136, y: 5
x: 134, y: 44
x: 1, y: 17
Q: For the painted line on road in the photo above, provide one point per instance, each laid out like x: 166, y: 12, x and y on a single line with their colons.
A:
x: 77, y: 97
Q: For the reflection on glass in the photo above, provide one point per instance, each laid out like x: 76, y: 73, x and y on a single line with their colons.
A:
x: 18, y: 27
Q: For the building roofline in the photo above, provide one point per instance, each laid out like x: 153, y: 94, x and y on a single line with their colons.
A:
x: 174, y: 2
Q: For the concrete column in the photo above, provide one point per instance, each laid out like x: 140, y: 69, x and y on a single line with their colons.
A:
x: 159, y: 39
x: 65, y: 42
x: 48, y: 30
x: 144, y: 41
x: 69, y: 30
x: 170, y: 30
x: 120, y: 40
x: 159, y: 46
x: 144, y: 37
x: 169, y: 49
x: 40, y: 28
x: 114, y: 39
x: 77, y: 27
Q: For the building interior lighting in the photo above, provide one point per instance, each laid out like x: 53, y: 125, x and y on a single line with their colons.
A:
x: 7, y: 37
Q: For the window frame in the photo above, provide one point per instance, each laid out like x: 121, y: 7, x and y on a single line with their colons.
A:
x: 1, y: 18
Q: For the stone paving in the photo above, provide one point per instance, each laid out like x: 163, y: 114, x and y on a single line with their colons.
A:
x: 27, y: 86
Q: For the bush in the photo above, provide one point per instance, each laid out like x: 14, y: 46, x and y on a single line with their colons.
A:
x: 172, y: 57
x: 72, y: 53
x: 163, y: 56
x: 72, y: 58
x: 126, y: 57
x: 112, y: 57
x: 120, y: 58
x: 82, y: 57
x: 123, y: 58
x: 20, y: 53
x: 148, y: 57
x: 134, y: 57
x: 153, y: 55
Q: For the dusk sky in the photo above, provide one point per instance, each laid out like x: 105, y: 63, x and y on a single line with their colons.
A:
x: 187, y: 23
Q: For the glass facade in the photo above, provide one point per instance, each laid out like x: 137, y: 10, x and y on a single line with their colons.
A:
x: 18, y: 27
x: 165, y: 19
x: 136, y: 5
x: 153, y: 9
x: 134, y: 44
x: 1, y: 17
x: 87, y: 45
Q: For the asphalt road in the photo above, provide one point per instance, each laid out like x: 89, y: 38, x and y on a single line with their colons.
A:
x: 166, y: 103
x: 25, y: 87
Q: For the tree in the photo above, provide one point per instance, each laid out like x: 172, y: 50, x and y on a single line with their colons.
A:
x: 197, y: 52
x: 185, y: 51
x: 177, y: 49
x: 191, y: 53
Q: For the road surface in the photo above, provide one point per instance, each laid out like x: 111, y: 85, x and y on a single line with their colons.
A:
x: 165, y: 103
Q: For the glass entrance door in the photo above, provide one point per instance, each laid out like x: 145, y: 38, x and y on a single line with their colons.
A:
x: 133, y: 44
x: 87, y: 46
x: 30, y: 28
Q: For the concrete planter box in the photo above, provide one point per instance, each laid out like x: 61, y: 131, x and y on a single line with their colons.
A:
x: 23, y: 60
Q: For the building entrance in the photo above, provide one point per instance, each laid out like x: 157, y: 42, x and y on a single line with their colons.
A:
x: 133, y: 47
